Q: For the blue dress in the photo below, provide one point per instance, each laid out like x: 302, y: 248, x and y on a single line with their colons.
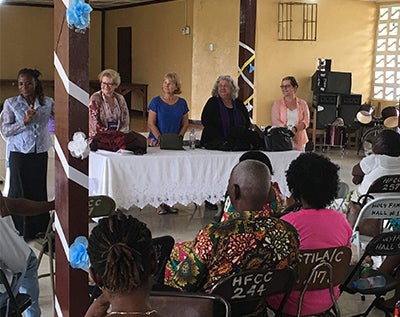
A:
x: 169, y: 117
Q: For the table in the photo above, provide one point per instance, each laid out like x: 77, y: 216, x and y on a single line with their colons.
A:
x: 171, y: 176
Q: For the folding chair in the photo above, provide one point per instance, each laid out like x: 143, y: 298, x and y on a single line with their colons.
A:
x: 322, y: 269
x: 101, y: 206
x: 173, y: 304
x: 252, y: 286
x: 385, y: 244
x: 384, y: 208
x: 45, y: 245
x: 343, y: 190
x: 163, y: 247
x: 98, y: 206
x: 16, y: 304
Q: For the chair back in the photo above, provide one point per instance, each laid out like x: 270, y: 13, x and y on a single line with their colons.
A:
x: 16, y: 304
x: 322, y: 269
x: 385, y: 244
x: 379, y: 208
x: 101, y: 206
x: 175, y: 304
x: 343, y: 190
x: 384, y: 184
x: 257, y: 284
x: 163, y: 247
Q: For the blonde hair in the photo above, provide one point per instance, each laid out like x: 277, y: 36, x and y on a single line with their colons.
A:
x: 112, y: 74
x: 175, y: 79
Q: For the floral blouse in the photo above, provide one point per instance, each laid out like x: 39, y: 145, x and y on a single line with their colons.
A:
x: 247, y: 242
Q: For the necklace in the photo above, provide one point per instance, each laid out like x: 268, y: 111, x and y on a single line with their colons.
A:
x: 146, y: 313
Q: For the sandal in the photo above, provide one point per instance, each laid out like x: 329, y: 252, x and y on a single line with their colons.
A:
x: 171, y: 210
x: 161, y: 210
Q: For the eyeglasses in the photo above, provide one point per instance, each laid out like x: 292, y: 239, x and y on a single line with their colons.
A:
x: 285, y: 86
x: 107, y: 84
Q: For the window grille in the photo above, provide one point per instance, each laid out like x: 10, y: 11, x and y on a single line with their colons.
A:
x: 297, y: 21
x: 386, y: 74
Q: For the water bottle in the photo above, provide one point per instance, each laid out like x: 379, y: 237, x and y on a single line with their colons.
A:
x: 369, y: 282
x: 396, y: 312
x: 192, y: 139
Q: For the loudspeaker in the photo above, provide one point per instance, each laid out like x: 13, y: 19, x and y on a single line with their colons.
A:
x: 349, y: 105
x: 325, y: 99
x: 331, y: 82
x: 326, y: 114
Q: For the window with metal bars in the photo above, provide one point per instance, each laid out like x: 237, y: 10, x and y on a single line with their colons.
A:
x: 297, y: 21
x: 386, y: 74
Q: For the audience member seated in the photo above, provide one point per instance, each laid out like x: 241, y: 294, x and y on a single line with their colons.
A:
x: 226, y: 120
x: 122, y: 260
x: 18, y: 261
x: 251, y: 240
x: 384, y: 160
x: 276, y: 201
x: 313, y: 181
x: 107, y: 109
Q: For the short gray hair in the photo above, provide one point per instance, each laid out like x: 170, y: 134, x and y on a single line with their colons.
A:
x: 229, y: 79
x: 112, y: 74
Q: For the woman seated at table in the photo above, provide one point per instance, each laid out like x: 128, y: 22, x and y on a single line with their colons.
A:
x: 292, y: 112
x: 276, y: 201
x: 226, y: 120
x: 108, y: 109
x: 168, y: 113
x: 313, y: 181
x: 122, y: 262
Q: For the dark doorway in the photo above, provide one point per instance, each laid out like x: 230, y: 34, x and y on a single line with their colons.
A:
x: 124, y: 43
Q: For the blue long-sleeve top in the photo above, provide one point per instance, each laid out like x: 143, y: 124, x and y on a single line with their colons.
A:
x: 32, y: 137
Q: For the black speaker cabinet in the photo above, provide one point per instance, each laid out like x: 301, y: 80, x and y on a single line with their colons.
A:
x: 331, y: 82
x: 326, y: 114
x: 348, y: 108
x: 325, y: 99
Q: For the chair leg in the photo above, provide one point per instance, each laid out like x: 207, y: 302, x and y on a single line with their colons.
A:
x: 51, y: 265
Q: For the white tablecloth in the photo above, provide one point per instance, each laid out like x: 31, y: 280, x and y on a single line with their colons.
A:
x: 171, y: 176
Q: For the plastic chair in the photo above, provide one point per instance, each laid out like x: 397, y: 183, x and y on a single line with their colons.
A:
x: 385, y: 244
x: 322, y: 269
x: 16, y: 304
x: 173, y: 304
x: 163, y: 247
x: 242, y: 288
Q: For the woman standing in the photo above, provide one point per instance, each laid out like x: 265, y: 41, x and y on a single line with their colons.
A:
x: 168, y: 113
x: 108, y: 109
x: 292, y: 112
x: 25, y: 121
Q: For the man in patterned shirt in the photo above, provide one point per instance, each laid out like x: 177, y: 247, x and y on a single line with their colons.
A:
x: 248, y: 240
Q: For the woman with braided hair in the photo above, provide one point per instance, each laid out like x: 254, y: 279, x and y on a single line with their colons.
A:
x: 25, y: 124
x: 122, y: 262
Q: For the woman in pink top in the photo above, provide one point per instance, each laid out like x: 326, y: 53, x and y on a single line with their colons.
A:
x: 313, y: 181
x: 292, y: 112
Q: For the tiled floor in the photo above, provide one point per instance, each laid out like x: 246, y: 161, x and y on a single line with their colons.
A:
x: 185, y: 224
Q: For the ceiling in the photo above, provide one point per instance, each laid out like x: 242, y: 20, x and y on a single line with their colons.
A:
x: 95, y: 4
